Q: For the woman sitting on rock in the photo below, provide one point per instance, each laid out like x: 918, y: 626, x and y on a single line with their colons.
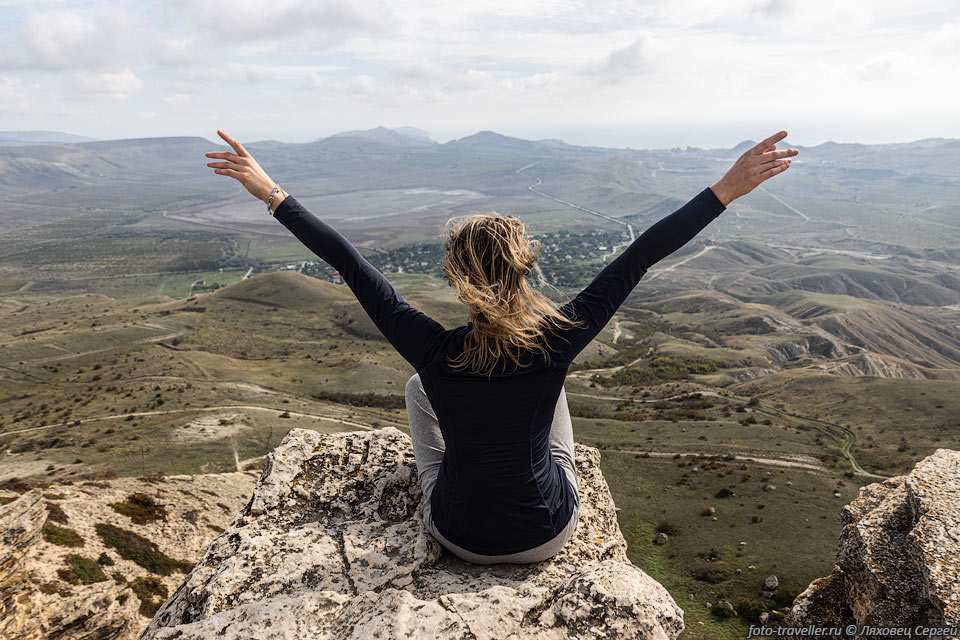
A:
x: 488, y: 413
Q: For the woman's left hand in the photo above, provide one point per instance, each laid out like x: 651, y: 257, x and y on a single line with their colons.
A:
x: 243, y: 167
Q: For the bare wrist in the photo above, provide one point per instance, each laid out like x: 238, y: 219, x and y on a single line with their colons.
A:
x: 724, y: 196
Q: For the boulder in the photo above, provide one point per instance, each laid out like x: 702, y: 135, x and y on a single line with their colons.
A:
x: 332, y: 545
x: 898, y: 562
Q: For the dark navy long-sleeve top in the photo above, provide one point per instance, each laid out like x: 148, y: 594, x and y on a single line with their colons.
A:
x: 499, y: 489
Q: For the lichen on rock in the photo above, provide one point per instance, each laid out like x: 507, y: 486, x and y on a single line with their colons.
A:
x: 332, y: 545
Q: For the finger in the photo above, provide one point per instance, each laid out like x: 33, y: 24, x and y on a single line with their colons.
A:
x: 233, y: 173
x: 766, y: 144
x: 224, y: 165
x: 233, y: 143
x: 226, y: 155
x: 770, y: 156
x: 774, y: 168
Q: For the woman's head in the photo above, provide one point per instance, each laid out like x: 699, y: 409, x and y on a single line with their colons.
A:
x: 488, y: 258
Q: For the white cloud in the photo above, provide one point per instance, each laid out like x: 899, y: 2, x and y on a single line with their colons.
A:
x: 12, y: 96
x: 119, y: 85
x: 240, y: 21
x: 622, y: 63
x: 177, y: 100
x: 107, y: 39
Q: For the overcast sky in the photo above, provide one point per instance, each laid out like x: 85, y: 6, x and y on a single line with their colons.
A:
x: 636, y: 73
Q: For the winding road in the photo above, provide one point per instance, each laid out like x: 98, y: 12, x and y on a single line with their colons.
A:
x: 847, y: 437
x: 533, y: 188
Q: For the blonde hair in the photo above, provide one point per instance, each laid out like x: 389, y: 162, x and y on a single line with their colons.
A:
x: 487, y: 260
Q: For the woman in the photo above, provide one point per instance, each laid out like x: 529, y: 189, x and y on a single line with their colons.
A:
x: 494, y: 447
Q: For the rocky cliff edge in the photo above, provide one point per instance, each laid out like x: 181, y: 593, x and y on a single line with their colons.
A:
x: 332, y: 545
x: 898, y: 562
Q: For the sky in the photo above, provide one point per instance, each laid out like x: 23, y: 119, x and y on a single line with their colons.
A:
x: 638, y: 73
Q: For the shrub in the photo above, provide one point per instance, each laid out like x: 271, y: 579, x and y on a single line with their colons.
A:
x: 15, y: 485
x: 81, y: 570
x: 140, y: 550
x: 785, y: 595
x: 61, y: 536
x: 750, y: 610
x: 713, y: 575
x: 721, y: 612
x: 724, y: 493
x: 140, y: 508
x: 55, y: 513
x: 146, y: 589
x: 669, y: 527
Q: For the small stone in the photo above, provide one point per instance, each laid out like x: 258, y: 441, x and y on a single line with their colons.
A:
x: 739, y: 571
x: 661, y: 538
x: 769, y: 487
x: 771, y: 582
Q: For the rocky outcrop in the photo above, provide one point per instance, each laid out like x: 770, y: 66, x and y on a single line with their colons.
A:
x: 114, y: 596
x: 332, y: 545
x: 882, y: 366
x: 28, y: 613
x: 898, y: 562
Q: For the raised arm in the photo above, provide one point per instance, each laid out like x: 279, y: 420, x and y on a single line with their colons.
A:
x: 597, y: 303
x: 412, y: 333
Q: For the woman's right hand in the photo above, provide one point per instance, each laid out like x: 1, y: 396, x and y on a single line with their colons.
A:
x: 245, y: 169
x: 757, y: 164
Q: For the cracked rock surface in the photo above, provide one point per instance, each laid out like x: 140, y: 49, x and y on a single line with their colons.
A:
x: 332, y: 545
x: 898, y: 562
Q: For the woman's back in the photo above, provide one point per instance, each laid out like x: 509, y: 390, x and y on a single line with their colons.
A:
x: 497, y: 474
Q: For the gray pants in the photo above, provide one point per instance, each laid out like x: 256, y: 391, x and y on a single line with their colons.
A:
x: 428, y: 447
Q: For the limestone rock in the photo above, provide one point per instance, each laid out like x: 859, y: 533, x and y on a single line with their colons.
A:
x: 35, y: 602
x: 898, y: 562
x: 89, y: 612
x: 332, y: 545
x: 771, y: 583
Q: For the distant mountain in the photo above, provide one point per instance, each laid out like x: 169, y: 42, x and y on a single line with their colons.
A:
x: 743, y: 146
x: 64, y: 165
x: 413, y: 132
x: 20, y: 138
x: 492, y: 142
x: 403, y: 136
